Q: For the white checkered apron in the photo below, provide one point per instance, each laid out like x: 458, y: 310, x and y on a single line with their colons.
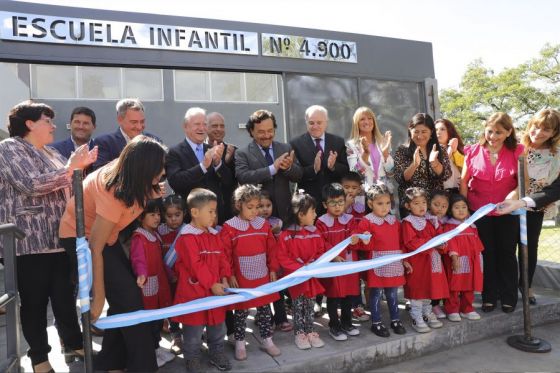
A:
x: 464, y: 265
x: 436, y: 262
x: 151, y: 286
x: 394, y: 269
x: 253, y: 267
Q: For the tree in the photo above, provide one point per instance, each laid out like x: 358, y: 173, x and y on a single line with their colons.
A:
x: 520, y: 91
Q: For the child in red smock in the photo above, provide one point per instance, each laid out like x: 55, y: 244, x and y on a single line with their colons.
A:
x: 386, y: 239
x: 151, y: 277
x: 427, y: 280
x: 202, y: 269
x: 463, y: 263
x: 335, y: 226
x: 300, y: 244
x: 251, y: 250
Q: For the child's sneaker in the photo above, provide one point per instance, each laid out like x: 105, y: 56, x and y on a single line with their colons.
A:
x: 315, y: 340
x: 398, y: 327
x: 350, y: 330
x: 454, y: 317
x: 220, y: 361
x: 420, y: 325
x: 177, y: 345
x: 471, y: 315
x: 193, y: 365
x: 380, y: 330
x: 270, y: 348
x: 359, y: 314
x: 302, y: 342
x: 432, y: 321
x: 163, y: 356
x: 439, y: 312
x: 336, y: 333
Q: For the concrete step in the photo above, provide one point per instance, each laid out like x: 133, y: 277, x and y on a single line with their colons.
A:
x: 367, y: 351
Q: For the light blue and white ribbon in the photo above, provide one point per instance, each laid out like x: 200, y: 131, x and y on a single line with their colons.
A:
x: 171, y: 256
x: 523, y: 227
x: 322, y: 267
x: 84, y: 273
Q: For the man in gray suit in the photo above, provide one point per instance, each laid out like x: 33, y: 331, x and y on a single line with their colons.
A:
x: 267, y: 162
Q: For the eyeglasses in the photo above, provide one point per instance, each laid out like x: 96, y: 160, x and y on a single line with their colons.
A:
x: 332, y: 203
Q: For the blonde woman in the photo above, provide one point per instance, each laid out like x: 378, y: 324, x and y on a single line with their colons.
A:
x: 542, y: 148
x: 368, y: 150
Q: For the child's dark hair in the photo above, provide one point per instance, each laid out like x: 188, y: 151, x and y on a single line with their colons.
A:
x: 244, y: 194
x: 414, y: 192
x: 351, y: 176
x: 266, y: 194
x: 331, y: 191
x: 174, y: 200
x: 199, y: 197
x: 377, y: 190
x: 453, y: 199
x: 153, y: 205
x: 301, y: 203
x: 439, y: 193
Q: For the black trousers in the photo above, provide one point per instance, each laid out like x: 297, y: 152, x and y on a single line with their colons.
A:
x: 345, y: 311
x: 534, y: 227
x: 499, y: 235
x: 132, y: 347
x: 44, y: 277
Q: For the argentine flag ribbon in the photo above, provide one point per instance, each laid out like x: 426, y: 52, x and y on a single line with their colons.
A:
x: 84, y: 273
x: 322, y: 267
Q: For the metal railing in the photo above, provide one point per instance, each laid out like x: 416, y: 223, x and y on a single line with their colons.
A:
x: 10, y: 299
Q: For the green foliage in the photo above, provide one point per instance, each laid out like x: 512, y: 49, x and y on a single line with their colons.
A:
x: 520, y: 91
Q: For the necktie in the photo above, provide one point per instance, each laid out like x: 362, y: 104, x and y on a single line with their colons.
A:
x: 199, y: 152
x: 318, y: 145
x: 267, y: 156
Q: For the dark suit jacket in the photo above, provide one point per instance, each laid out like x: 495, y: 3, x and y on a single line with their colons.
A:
x: 111, y: 145
x: 227, y: 190
x: 184, y: 174
x: 66, y: 147
x: 549, y: 194
x: 251, y: 168
x: 312, y: 182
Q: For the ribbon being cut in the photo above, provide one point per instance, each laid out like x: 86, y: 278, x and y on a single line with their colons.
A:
x: 322, y: 267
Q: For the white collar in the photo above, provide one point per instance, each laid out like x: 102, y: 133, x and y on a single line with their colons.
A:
x: 242, y: 224
x: 457, y: 222
x: 127, y: 139
x: 309, y: 228
x: 164, y: 229
x: 379, y: 221
x: 328, y: 219
x: 152, y: 237
x: 419, y: 222
x: 189, y: 229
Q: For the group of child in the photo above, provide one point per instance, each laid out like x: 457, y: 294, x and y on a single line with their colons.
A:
x: 255, y: 248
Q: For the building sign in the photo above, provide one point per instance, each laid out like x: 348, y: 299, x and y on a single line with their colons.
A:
x: 290, y: 46
x: 26, y: 27
x: 78, y: 31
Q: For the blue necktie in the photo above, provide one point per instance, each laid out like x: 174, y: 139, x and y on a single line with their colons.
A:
x: 267, y: 156
x: 199, y: 152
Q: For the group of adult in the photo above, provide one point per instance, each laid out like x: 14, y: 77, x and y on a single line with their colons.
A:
x: 126, y: 168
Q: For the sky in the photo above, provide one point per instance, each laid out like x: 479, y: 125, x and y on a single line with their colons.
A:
x: 501, y: 33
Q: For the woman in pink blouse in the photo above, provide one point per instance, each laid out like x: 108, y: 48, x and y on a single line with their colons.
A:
x: 490, y: 176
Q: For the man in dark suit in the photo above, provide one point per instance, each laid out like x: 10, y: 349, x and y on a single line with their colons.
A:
x: 132, y: 122
x: 322, y: 155
x: 194, y: 164
x: 216, y: 135
x: 549, y: 194
x: 267, y: 162
x: 81, y: 126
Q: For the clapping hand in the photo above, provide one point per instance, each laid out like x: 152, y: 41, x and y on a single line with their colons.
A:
x: 417, y: 159
x: 387, y: 138
x: 452, y: 145
x: 331, y: 160
x: 218, y: 152
x: 208, y: 158
x: 82, y: 157
x: 433, y: 154
x: 230, y: 150
x: 317, y: 162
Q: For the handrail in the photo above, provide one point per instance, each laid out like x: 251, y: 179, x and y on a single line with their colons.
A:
x: 11, y: 298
